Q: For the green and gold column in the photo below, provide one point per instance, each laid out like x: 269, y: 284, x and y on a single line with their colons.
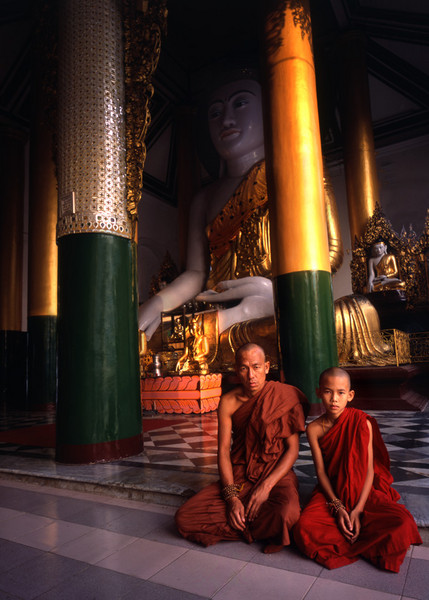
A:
x: 359, y: 152
x: 42, y: 251
x: 13, y: 340
x: 99, y: 415
x: 301, y: 268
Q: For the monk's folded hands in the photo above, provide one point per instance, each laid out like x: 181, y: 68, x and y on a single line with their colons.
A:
x: 259, y: 495
x: 236, y: 513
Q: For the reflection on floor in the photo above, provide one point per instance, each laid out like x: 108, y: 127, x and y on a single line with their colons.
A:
x: 180, y: 457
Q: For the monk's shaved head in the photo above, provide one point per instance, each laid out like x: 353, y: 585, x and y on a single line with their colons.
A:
x: 335, y: 372
x: 246, y: 348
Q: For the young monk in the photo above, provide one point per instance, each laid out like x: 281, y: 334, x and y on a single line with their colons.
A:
x: 353, y: 511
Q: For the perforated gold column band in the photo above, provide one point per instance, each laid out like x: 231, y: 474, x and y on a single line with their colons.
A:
x: 91, y: 139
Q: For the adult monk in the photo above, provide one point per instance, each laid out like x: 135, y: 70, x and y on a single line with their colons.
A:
x: 353, y: 511
x: 257, y: 495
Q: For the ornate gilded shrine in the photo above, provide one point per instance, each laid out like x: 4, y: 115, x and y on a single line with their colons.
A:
x: 403, y: 311
x: 411, y: 253
x: 181, y: 378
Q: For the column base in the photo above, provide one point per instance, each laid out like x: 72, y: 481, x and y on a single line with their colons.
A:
x: 13, y: 368
x: 101, y: 452
x: 42, y: 361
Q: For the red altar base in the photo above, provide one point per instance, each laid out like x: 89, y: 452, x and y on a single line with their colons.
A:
x: 405, y: 387
x: 181, y: 393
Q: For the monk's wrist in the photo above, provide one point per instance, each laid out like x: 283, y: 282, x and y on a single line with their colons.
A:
x: 232, y: 501
x: 266, y: 485
x: 230, y: 491
x: 335, y: 505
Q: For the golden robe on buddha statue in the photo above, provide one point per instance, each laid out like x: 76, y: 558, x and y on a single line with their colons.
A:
x: 239, y: 237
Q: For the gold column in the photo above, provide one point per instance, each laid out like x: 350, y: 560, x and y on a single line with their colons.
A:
x: 359, y: 153
x: 12, y: 168
x: 42, y: 246
x: 299, y: 238
x: 292, y: 142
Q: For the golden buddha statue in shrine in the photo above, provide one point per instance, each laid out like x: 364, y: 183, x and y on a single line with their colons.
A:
x: 194, y: 358
x: 383, y: 270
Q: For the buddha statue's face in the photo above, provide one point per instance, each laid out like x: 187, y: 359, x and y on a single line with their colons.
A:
x: 235, y: 119
x: 378, y: 249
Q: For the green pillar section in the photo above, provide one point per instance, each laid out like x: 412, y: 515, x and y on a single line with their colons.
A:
x: 306, y: 328
x: 42, y: 361
x: 99, y: 415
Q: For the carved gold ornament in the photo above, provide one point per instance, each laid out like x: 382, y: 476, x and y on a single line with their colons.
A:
x: 144, y: 24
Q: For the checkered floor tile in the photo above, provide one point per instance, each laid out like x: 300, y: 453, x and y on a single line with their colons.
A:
x: 193, y: 445
x: 189, y: 442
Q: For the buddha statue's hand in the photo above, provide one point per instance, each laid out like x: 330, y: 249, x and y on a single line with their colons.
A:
x: 237, y: 289
x: 150, y: 315
x: 255, y: 295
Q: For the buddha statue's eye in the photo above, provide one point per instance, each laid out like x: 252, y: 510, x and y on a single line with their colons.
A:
x: 240, y: 102
x: 215, y: 112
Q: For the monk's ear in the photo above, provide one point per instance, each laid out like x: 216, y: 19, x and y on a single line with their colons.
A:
x: 267, y: 367
x: 351, y: 395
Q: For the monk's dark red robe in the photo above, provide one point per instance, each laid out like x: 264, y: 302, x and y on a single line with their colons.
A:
x: 260, y: 428
x: 387, y: 528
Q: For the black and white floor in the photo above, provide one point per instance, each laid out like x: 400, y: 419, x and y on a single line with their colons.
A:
x: 180, y: 455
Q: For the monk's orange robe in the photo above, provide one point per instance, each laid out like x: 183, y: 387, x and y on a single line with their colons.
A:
x: 261, y: 427
x: 387, y: 528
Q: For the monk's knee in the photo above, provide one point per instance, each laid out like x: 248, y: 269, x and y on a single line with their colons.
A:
x: 291, y: 513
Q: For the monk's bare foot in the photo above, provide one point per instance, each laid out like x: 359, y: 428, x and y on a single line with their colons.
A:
x: 272, y: 548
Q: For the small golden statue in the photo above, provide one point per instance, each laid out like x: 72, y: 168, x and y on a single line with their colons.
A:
x: 383, y: 270
x: 194, y: 358
x: 178, y: 333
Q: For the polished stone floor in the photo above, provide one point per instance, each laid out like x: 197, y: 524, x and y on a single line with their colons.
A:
x: 106, y: 531
x: 58, y: 544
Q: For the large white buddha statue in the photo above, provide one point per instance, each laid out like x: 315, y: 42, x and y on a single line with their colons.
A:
x: 236, y: 130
